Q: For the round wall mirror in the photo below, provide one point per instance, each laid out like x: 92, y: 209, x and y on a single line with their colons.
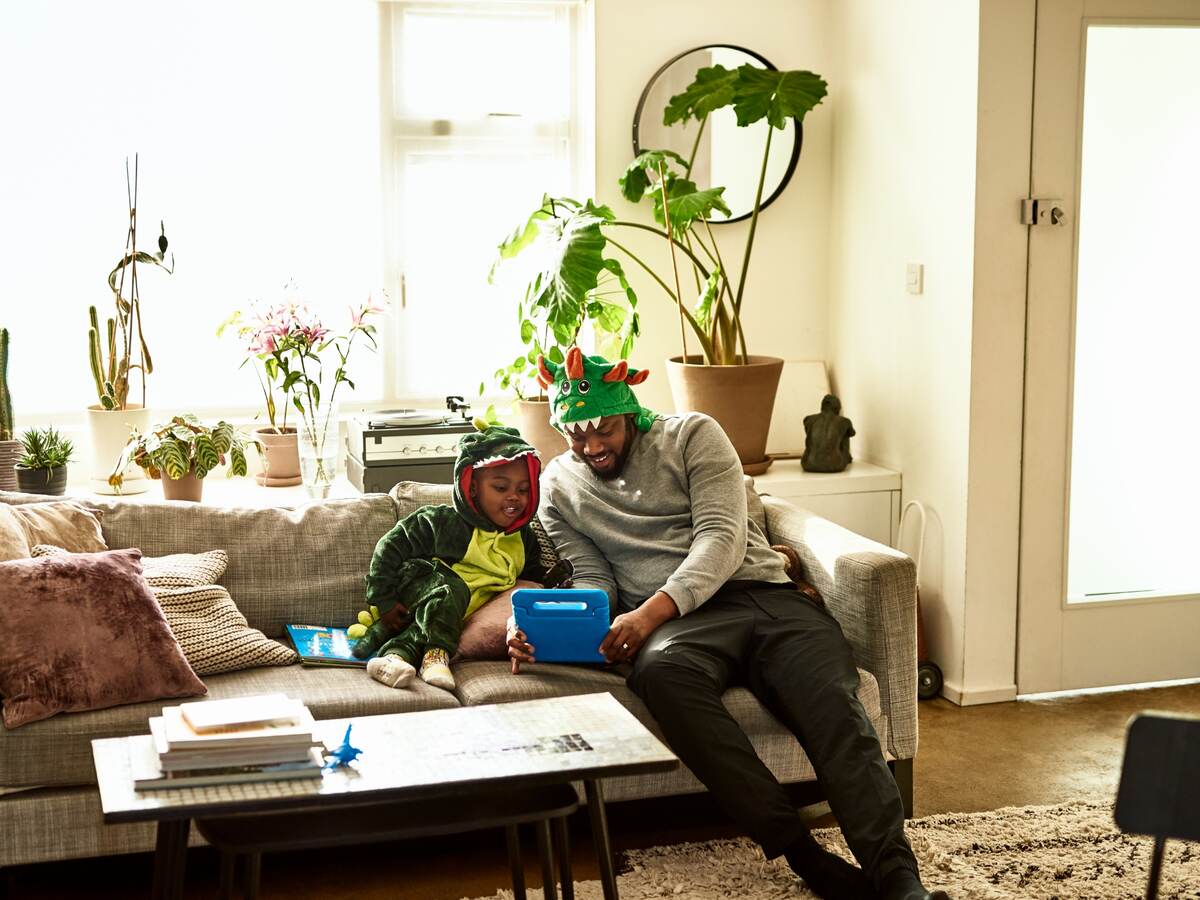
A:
x: 726, y: 155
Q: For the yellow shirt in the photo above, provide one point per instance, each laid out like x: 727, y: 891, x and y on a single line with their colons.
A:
x: 491, y: 565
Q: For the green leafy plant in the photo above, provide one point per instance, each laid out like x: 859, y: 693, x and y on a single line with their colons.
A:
x: 45, y: 449
x: 121, y: 350
x: 681, y: 209
x: 6, y: 411
x: 573, y: 285
x: 180, y: 446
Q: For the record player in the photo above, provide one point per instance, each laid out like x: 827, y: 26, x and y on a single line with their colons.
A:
x: 385, y: 447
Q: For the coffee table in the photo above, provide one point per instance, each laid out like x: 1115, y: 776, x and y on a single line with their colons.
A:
x: 521, y: 751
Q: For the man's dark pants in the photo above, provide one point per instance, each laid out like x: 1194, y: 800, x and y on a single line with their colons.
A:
x: 791, y: 654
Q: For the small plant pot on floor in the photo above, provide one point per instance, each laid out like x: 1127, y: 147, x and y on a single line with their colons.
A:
x: 42, y: 481
x: 189, y: 487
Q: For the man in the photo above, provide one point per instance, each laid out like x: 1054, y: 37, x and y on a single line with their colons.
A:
x: 653, y: 510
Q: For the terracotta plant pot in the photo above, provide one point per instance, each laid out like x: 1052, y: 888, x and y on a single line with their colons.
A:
x: 740, y: 398
x: 533, y: 421
x: 110, y: 432
x: 189, y: 487
x: 42, y: 481
x: 280, y: 456
x: 10, y: 452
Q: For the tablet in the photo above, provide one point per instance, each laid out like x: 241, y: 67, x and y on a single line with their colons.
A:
x: 563, y: 624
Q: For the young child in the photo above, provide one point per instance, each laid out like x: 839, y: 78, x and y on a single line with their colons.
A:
x: 441, y: 563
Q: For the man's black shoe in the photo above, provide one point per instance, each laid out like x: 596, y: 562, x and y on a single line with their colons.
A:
x: 903, y: 884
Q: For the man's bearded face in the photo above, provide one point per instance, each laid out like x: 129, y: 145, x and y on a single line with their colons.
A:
x: 604, y: 446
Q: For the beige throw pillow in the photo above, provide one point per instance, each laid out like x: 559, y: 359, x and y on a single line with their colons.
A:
x: 212, y: 631
x: 62, y: 523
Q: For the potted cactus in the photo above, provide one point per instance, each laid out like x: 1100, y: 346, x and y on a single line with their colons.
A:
x: 10, y: 448
x: 118, y: 353
x: 180, y: 453
x: 42, y: 468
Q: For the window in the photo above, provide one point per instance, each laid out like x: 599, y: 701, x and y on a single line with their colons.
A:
x: 257, y: 129
x: 259, y: 132
x: 487, y: 103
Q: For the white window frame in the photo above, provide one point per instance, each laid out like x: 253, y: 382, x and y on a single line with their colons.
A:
x: 496, y: 129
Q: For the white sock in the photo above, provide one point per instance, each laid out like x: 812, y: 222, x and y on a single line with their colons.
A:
x: 390, y: 670
x: 435, y: 669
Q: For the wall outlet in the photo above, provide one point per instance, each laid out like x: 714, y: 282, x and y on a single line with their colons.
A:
x: 914, y: 280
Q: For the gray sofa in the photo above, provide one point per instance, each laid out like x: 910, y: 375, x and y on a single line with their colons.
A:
x: 306, y: 564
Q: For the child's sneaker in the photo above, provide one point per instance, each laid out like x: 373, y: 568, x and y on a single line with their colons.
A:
x: 391, y: 670
x: 435, y: 669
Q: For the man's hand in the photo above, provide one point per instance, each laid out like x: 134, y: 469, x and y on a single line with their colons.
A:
x: 630, y: 631
x: 519, y: 650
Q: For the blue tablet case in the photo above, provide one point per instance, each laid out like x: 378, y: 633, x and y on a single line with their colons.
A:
x: 563, y: 624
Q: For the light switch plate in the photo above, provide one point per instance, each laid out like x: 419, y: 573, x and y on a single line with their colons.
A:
x: 915, y: 278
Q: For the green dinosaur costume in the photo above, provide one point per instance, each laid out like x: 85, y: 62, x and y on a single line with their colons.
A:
x: 587, y: 388
x: 444, y: 562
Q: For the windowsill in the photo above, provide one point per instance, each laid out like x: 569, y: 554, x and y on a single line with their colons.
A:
x: 227, y: 492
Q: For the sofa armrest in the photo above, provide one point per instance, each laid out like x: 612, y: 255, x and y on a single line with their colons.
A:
x: 871, y: 590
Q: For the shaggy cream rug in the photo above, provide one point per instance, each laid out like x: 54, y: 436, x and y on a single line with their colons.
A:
x: 1069, y: 851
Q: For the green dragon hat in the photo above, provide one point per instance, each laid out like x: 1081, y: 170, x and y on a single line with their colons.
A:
x: 588, y: 388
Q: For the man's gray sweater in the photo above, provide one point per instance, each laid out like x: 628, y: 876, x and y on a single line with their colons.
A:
x: 674, y: 519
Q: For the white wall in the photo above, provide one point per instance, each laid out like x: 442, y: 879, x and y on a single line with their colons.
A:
x: 904, y: 138
x: 787, y: 291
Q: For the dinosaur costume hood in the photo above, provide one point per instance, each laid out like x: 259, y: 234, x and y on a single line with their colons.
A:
x: 494, y: 446
x: 585, y: 389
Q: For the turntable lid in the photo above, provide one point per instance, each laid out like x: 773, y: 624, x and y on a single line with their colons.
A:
x: 411, y: 418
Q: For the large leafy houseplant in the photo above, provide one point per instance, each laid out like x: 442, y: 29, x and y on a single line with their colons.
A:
x: 584, y: 232
x: 572, y: 285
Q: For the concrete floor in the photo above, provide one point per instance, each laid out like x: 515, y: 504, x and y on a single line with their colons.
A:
x: 970, y: 759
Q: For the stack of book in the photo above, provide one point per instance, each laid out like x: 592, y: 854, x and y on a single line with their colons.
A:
x: 261, y: 738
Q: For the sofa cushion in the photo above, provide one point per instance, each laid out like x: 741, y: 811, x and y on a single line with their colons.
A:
x: 84, y: 632
x: 58, y: 751
x: 58, y: 522
x: 302, y: 564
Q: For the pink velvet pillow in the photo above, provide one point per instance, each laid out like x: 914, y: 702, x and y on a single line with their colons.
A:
x: 84, y: 632
x: 485, y: 633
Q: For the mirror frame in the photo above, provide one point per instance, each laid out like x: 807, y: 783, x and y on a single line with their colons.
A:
x: 791, y: 166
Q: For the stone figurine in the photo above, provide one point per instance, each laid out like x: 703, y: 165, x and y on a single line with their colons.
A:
x: 827, y: 438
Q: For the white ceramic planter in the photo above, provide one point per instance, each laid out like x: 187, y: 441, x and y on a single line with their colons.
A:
x: 110, y: 432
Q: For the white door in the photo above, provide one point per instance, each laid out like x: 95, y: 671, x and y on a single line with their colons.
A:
x: 1110, y: 519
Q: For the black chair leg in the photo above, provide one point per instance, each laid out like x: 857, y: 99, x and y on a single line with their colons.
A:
x: 515, y: 862
x: 562, y: 845
x: 1160, y: 845
x: 542, y: 829
x: 253, y: 875
x: 227, y: 871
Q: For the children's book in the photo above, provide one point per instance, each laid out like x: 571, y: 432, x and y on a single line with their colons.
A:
x: 323, y: 645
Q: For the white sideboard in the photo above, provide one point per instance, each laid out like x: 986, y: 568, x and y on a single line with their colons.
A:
x: 864, y: 498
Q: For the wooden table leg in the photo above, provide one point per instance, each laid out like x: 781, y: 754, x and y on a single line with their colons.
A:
x: 228, y: 870
x: 170, y: 859
x: 546, y: 855
x: 562, y: 843
x: 595, y: 804
x: 515, y: 861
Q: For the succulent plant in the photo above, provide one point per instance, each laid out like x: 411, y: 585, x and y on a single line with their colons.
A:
x: 6, y: 412
x: 45, y: 449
